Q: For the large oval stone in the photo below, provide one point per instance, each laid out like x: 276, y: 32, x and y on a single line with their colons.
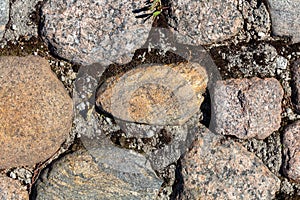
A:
x: 155, y: 94
x: 35, y: 111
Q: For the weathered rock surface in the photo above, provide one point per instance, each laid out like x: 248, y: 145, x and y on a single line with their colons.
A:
x: 23, y: 20
x: 247, y: 108
x: 216, y: 168
x: 35, y: 111
x: 295, y: 71
x: 4, y: 16
x: 285, y: 18
x: 291, y: 150
x: 205, y: 22
x: 12, y: 190
x: 87, y: 32
x: 155, y: 94
x: 106, y: 172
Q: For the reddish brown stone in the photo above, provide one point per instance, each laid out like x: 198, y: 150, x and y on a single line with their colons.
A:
x: 291, y: 150
x: 35, y: 111
x: 216, y: 168
x: 247, y: 108
x: 155, y: 94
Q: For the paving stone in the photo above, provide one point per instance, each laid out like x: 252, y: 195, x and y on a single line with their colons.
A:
x: 22, y: 20
x: 217, y: 168
x: 205, y: 22
x: 295, y: 83
x: 4, y: 16
x: 155, y: 94
x: 35, y: 111
x: 285, y: 18
x: 291, y: 150
x: 103, y: 172
x: 12, y: 190
x: 88, y: 32
x: 247, y: 108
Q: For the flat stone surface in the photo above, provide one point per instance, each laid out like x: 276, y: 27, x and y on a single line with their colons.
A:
x: 285, y: 17
x: 247, y: 108
x: 22, y: 16
x: 35, y: 111
x: 295, y: 83
x: 216, y: 168
x: 4, y: 16
x: 106, y: 172
x: 205, y: 22
x: 12, y: 189
x: 291, y: 151
x: 155, y: 94
x: 87, y: 32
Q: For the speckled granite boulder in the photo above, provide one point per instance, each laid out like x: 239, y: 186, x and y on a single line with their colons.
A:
x: 4, y: 16
x: 216, y: 168
x: 247, y: 108
x: 295, y: 83
x: 285, y: 18
x: 12, y: 189
x: 35, y: 111
x: 87, y: 32
x: 291, y: 150
x: 155, y: 94
x: 104, y: 172
x: 205, y: 22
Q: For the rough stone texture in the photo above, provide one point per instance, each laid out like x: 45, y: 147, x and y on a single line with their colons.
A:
x: 257, y: 22
x: 35, y: 111
x: 105, y: 171
x: 12, y: 190
x: 291, y: 150
x: 205, y: 22
x: 216, y: 168
x: 295, y: 71
x: 87, y: 32
x: 285, y: 18
x: 247, y: 108
x: 155, y: 94
x: 22, y: 16
x: 4, y: 16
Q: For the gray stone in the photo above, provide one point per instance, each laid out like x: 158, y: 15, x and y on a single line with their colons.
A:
x: 295, y: 71
x: 205, y: 22
x: 4, y: 16
x: 247, y: 108
x: 87, y: 32
x: 12, y: 189
x: 285, y: 17
x: 21, y: 23
x: 103, y: 172
x: 217, y: 168
x: 291, y: 151
x: 35, y: 111
x: 256, y: 18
